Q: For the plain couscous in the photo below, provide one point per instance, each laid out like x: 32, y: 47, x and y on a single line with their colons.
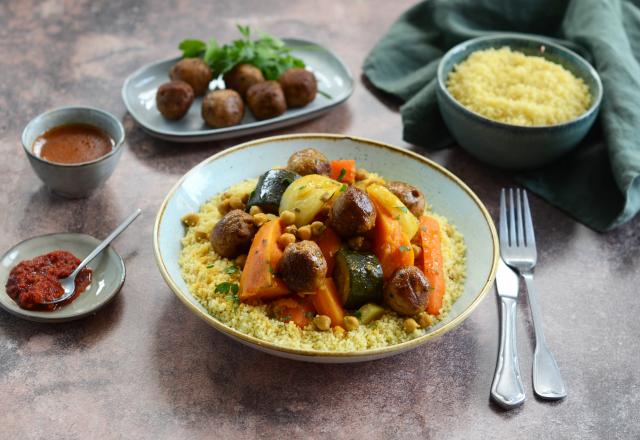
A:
x: 508, y: 86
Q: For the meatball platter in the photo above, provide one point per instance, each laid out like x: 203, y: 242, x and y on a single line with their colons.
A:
x: 198, y: 107
x: 325, y: 247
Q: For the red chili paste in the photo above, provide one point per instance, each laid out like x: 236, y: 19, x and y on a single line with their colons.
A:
x: 33, y: 281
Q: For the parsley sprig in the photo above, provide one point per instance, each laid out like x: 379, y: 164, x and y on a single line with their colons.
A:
x: 267, y: 53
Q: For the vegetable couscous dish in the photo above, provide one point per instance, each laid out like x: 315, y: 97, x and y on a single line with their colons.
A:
x: 322, y: 255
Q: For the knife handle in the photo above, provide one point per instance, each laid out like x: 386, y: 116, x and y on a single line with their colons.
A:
x: 507, y: 389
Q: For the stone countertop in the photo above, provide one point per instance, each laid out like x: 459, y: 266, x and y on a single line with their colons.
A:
x: 145, y: 367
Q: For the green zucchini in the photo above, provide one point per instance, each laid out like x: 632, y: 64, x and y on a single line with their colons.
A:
x: 271, y: 185
x: 358, y: 277
x: 370, y: 312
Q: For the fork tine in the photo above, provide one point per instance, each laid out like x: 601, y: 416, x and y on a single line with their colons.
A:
x: 528, y: 222
x: 504, y: 233
x: 512, y: 220
x: 520, y: 224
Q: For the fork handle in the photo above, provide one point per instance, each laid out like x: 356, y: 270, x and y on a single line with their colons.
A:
x: 507, y: 389
x: 547, y: 380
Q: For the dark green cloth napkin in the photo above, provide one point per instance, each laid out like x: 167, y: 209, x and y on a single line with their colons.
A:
x: 598, y: 183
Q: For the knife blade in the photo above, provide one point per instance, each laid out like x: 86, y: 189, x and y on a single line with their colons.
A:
x: 507, y: 281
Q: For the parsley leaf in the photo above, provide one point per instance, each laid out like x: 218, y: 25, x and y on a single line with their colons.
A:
x: 402, y: 208
x: 231, y: 269
x: 209, y: 266
x: 343, y: 188
x: 405, y: 248
x: 267, y: 53
x: 342, y: 174
x: 232, y: 288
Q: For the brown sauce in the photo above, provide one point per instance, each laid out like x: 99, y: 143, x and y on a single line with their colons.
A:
x: 73, y: 143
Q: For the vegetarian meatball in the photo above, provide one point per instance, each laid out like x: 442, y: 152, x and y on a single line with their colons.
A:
x: 241, y: 77
x: 353, y: 213
x: 303, y: 267
x: 407, y: 291
x: 222, y: 108
x: 309, y: 161
x: 266, y: 99
x: 193, y: 71
x: 299, y: 86
x: 173, y: 99
x: 409, y: 195
x: 233, y: 234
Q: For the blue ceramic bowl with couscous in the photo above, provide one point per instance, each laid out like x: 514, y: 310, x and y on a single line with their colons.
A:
x: 515, y: 111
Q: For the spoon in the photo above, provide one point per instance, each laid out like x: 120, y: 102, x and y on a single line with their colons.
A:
x: 69, y: 283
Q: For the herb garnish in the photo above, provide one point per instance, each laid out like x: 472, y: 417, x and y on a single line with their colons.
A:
x: 402, y: 208
x: 342, y: 174
x: 302, y: 187
x: 405, y: 248
x: 231, y: 269
x: 343, y: 188
x: 209, y: 266
x: 226, y: 287
x: 267, y: 53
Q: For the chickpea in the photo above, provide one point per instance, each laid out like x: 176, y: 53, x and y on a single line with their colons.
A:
x: 304, y: 233
x: 226, y: 195
x: 322, y: 322
x: 287, y: 218
x: 245, y: 198
x: 410, y: 325
x: 286, y: 239
x: 260, y: 219
x: 271, y: 217
x: 190, y: 219
x: 236, y: 203
x: 338, y: 331
x: 224, y: 207
x: 351, y: 323
x: 417, y: 251
x: 424, y: 320
x: 255, y: 210
x: 356, y: 243
x: 361, y: 174
x: 317, y: 228
x: 202, y: 236
x: 241, y: 260
x: 291, y: 229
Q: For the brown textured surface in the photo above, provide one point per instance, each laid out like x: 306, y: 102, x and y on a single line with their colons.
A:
x: 144, y: 367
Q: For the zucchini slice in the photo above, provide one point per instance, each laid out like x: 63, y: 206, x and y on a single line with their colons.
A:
x: 271, y: 185
x: 358, y: 277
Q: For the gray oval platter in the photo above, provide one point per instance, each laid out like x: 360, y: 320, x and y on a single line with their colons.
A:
x: 139, y: 95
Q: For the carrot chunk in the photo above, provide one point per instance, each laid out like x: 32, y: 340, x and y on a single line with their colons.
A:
x: 432, y: 265
x: 343, y: 170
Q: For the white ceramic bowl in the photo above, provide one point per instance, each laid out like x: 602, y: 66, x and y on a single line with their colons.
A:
x: 448, y: 195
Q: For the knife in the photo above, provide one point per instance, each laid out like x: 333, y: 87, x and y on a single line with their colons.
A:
x: 507, y: 389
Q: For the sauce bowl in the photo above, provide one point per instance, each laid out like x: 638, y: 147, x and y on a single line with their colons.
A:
x: 75, y: 180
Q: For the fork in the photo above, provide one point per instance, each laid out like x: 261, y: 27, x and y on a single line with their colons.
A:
x: 518, y: 250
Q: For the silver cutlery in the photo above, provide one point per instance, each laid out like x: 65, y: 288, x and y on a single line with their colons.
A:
x: 507, y: 389
x: 518, y: 249
x: 69, y: 283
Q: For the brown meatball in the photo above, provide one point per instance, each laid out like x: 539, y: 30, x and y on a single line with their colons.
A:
x: 193, y: 71
x: 409, y: 195
x: 309, y: 161
x: 266, y: 99
x: 353, y: 213
x: 222, y: 108
x: 241, y: 77
x: 233, y: 234
x: 173, y: 99
x: 407, y: 291
x: 303, y: 267
x: 299, y: 86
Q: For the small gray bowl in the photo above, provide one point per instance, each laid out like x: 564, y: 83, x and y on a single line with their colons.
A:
x: 80, y: 179
x: 512, y: 146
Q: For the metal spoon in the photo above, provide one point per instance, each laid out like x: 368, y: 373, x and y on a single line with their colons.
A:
x: 69, y: 283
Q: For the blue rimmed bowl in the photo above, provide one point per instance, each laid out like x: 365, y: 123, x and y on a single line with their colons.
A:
x: 512, y: 146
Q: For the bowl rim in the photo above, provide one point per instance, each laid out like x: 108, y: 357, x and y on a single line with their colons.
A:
x: 119, y: 142
x: 363, y: 354
x: 469, y: 48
